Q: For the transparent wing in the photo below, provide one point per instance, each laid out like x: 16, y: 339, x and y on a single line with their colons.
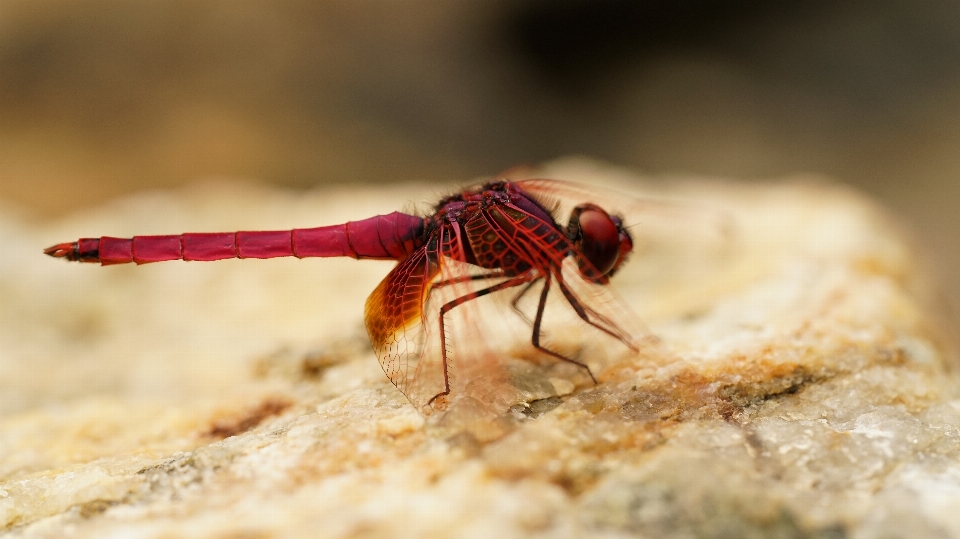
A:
x: 684, y: 250
x: 395, y: 319
x: 647, y: 217
x: 422, y: 354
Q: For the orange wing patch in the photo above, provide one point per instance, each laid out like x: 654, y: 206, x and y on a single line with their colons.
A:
x: 394, y: 318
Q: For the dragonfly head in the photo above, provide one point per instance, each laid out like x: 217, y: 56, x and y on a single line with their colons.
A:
x: 601, y: 239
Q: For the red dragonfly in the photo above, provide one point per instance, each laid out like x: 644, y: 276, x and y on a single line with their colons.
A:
x: 501, y: 235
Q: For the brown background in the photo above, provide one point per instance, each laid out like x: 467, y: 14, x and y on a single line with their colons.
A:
x: 104, y: 97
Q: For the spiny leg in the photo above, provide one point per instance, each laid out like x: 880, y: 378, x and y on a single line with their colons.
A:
x: 513, y: 303
x: 469, y: 278
x: 582, y: 313
x: 519, y: 296
x: 447, y: 307
x: 536, y: 332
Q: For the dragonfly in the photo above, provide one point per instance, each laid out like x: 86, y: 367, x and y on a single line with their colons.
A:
x: 498, y: 236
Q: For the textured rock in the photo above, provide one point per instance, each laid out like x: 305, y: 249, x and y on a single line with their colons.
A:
x: 800, y: 388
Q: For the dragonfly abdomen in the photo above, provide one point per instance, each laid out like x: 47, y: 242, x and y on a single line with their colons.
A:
x: 388, y: 237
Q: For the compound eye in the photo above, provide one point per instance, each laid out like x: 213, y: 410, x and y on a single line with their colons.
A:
x: 626, y: 245
x: 599, y: 239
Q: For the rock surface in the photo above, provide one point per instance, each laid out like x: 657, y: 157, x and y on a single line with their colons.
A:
x: 804, y: 391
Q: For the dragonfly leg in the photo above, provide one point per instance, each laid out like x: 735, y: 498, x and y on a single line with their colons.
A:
x: 514, y: 303
x: 468, y: 279
x: 536, y: 333
x: 585, y: 316
x: 447, y: 307
x: 519, y: 296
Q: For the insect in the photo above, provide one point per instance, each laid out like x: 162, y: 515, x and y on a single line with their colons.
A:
x: 498, y: 236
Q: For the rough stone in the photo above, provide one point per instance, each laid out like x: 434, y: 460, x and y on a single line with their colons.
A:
x: 798, y: 386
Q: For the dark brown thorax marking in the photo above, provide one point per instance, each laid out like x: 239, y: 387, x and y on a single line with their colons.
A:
x: 494, y: 228
x: 491, y: 251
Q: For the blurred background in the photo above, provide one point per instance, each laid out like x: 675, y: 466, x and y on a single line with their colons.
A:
x: 104, y: 97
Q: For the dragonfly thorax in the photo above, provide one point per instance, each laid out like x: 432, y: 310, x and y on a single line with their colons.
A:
x: 495, y: 227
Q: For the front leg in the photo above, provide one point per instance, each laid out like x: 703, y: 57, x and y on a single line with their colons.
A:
x: 519, y: 296
x: 585, y: 316
x: 535, y: 339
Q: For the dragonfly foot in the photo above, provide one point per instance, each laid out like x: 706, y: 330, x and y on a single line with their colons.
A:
x: 439, y: 401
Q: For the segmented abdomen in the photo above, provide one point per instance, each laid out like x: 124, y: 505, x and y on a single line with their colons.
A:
x: 390, y: 237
